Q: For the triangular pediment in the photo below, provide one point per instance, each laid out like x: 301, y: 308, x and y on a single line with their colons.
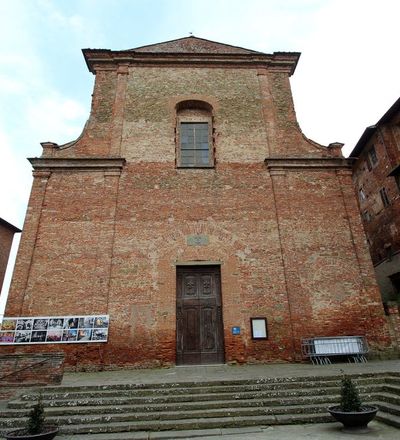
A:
x: 193, y: 45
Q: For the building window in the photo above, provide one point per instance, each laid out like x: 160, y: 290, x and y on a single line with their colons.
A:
x: 372, y: 158
x: 386, y: 308
x: 395, y: 279
x: 194, y: 135
x: 366, y: 216
x: 194, y: 144
x: 397, y: 179
x: 361, y: 195
x: 389, y: 251
x: 384, y: 197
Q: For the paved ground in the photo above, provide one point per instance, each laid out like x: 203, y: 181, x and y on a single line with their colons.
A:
x: 326, y: 431
x: 316, y: 431
x: 220, y: 372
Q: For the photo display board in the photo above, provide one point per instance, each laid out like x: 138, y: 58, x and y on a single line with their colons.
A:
x: 54, y: 329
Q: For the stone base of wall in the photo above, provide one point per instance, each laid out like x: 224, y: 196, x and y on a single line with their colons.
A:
x: 393, y: 318
x: 389, y: 353
x: 22, y: 369
x: 11, y: 392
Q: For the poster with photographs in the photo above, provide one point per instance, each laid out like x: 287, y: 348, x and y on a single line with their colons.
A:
x: 54, y: 329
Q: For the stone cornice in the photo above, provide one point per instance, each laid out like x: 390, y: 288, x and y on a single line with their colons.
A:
x: 77, y: 163
x: 103, y: 59
x: 296, y: 163
x: 9, y: 226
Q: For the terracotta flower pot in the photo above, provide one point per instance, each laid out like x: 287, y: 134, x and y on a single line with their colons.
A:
x: 355, y: 420
x: 21, y: 434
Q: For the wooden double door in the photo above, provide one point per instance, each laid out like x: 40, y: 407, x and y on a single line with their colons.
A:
x: 200, y: 338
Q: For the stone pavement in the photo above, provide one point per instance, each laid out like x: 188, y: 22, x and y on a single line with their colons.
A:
x: 326, y: 431
x: 221, y: 372
x: 315, y: 431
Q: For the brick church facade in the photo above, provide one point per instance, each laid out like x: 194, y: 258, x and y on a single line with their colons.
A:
x: 191, y: 203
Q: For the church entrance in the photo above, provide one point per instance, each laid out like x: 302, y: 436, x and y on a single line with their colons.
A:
x: 199, y: 326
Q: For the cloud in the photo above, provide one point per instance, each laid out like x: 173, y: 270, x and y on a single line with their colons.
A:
x: 34, y: 107
x: 11, y: 86
x: 348, y: 75
x: 15, y: 181
x: 261, y: 25
x: 74, y: 22
x: 55, y: 118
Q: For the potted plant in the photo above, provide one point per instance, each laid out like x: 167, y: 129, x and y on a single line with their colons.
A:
x: 351, y: 412
x: 36, y: 427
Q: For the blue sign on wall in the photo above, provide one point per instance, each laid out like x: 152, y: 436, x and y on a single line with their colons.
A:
x: 236, y: 330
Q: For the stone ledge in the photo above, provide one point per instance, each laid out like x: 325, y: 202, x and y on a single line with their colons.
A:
x: 82, y: 163
x: 294, y: 163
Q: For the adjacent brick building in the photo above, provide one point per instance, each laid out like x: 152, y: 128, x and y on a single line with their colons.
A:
x: 7, y: 231
x: 377, y: 183
x: 191, y: 203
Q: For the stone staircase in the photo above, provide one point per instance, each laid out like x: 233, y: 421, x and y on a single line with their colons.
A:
x: 127, y: 410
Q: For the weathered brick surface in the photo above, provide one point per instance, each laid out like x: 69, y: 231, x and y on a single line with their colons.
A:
x: 289, y: 240
x: 23, y: 369
x: 384, y: 224
x: 381, y: 223
x: 7, y: 232
x: 394, y: 323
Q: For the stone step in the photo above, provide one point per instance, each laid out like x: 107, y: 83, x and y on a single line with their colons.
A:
x: 172, y: 399
x: 68, y: 400
x: 308, y: 380
x: 179, y: 406
x: 174, y: 391
x: 99, y: 402
x: 179, y: 414
x: 194, y: 424
x: 136, y: 409
x: 393, y: 380
x: 105, y: 418
x: 387, y: 407
x: 388, y: 397
x: 391, y: 388
x: 118, y: 407
x: 389, y: 419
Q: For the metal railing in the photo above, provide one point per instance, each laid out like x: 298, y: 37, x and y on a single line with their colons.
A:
x: 320, y: 350
x: 26, y: 367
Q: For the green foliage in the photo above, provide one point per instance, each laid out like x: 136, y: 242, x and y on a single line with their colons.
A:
x: 36, y: 418
x: 350, y: 400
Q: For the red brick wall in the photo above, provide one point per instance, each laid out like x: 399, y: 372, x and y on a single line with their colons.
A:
x: 394, y: 323
x: 383, y: 228
x: 6, y: 238
x: 381, y: 223
x: 24, y: 369
x: 290, y: 242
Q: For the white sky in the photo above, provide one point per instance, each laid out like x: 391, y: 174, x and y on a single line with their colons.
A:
x: 346, y: 79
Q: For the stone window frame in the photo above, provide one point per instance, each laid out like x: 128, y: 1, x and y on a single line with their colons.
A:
x: 194, y: 111
x: 372, y: 158
x: 361, y: 194
x: 388, y: 251
x: 367, y: 216
x: 397, y: 180
x: 384, y: 197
